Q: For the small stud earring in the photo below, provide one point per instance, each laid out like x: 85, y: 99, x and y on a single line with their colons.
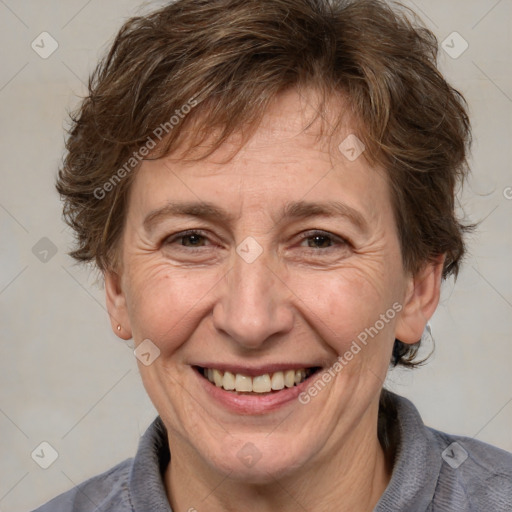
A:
x: 118, y: 327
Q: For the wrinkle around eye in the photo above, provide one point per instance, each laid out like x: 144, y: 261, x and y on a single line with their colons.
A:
x: 214, y: 248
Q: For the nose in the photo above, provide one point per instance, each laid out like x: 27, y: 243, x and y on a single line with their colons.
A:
x: 254, y: 305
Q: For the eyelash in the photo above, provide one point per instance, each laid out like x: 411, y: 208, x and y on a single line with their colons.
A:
x: 335, y: 240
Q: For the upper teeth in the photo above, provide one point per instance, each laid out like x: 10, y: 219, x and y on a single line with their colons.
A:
x: 259, y: 384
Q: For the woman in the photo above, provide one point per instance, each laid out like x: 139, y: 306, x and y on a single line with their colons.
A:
x: 268, y: 189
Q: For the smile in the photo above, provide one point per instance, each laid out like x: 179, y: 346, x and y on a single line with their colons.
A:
x: 264, y: 383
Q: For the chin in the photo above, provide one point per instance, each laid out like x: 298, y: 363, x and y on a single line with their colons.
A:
x: 261, y: 465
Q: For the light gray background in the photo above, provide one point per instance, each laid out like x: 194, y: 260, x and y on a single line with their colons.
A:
x: 66, y: 379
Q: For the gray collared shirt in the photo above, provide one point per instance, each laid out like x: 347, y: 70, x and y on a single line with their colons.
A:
x: 432, y: 472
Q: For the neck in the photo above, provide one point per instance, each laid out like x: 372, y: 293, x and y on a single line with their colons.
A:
x: 352, y: 477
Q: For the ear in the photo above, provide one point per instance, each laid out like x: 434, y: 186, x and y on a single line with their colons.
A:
x: 116, y: 305
x: 420, y: 302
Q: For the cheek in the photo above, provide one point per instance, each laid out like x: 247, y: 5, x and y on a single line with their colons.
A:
x: 164, y: 302
x: 345, y: 304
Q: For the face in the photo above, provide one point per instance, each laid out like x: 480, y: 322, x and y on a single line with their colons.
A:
x: 251, y: 269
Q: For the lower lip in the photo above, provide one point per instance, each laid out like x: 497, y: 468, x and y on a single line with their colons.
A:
x: 253, y: 404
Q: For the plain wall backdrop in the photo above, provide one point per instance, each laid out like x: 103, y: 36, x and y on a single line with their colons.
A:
x: 67, y: 380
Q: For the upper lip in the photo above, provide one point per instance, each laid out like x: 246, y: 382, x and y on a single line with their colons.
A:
x: 252, y: 371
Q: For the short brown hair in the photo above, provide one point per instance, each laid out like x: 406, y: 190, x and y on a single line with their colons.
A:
x: 231, y: 58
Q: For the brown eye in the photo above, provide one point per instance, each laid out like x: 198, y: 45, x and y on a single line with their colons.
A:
x: 193, y: 239
x: 187, y: 240
x: 322, y: 240
x: 319, y: 241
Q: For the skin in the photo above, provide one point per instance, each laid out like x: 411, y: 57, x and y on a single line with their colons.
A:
x: 301, y: 300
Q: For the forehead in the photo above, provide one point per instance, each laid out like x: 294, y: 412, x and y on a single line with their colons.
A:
x: 294, y: 154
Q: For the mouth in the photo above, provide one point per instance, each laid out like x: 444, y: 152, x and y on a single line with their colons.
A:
x: 257, y: 385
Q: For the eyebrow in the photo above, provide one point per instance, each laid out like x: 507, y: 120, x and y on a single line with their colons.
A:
x: 291, y: 211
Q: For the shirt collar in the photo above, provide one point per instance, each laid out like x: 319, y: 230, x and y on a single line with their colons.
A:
x: 417, y: 461
x: 147, y: 488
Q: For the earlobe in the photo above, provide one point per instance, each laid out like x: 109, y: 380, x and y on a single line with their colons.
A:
x: 420, y: 302
x: 116, y: 305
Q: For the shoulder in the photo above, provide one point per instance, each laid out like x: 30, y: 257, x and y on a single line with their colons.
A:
x: 134, y: 484
x: 475, y: 474
x: 107, y: 491
x: 438, y: 472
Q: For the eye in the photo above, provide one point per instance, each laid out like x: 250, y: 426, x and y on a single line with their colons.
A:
x: 194, y: 240
x: 322, y: 240
x: 314, y: 241
x: 187, y: 239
